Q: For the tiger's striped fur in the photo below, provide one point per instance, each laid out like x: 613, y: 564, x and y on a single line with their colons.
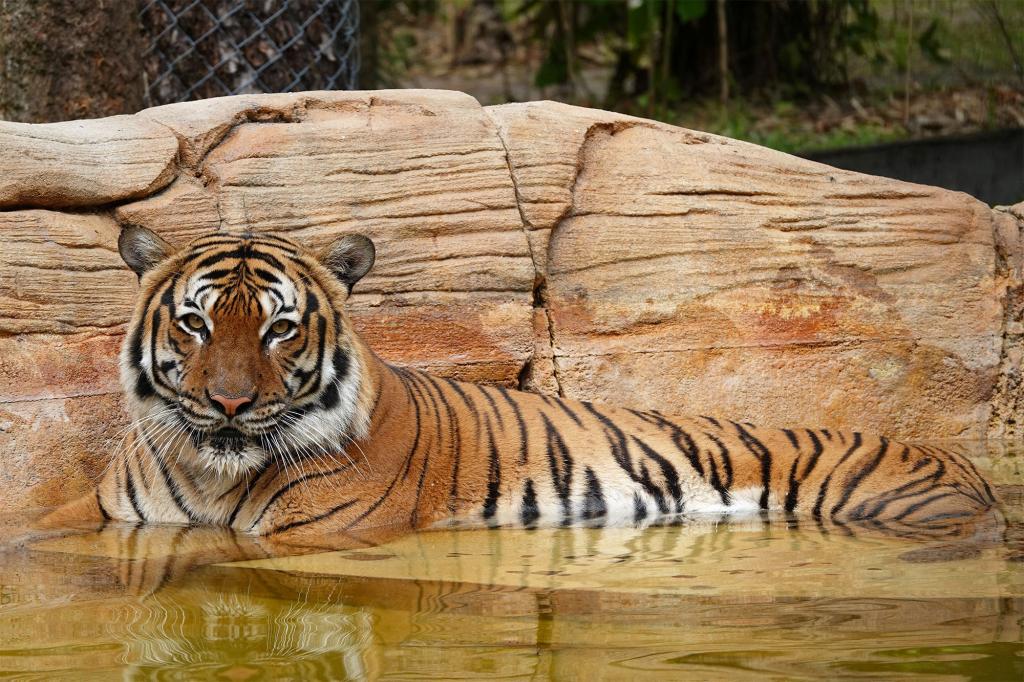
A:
x: 336, y: 440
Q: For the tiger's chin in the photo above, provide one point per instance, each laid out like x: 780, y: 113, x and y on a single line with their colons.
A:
x: 231, y: 455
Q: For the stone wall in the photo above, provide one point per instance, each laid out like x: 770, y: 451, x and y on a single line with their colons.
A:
x: 555, y: 248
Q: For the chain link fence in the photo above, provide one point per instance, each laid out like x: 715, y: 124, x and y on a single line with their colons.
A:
x: 207, y: 48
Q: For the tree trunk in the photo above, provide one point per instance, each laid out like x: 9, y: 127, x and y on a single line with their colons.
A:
x: 68, y: 59
x: 369, y: 65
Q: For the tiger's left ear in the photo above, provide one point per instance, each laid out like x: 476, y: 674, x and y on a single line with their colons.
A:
x: 349, y: 258
x: 142, y: 249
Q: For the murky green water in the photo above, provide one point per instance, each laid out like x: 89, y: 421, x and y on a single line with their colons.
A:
x: 757, y: 599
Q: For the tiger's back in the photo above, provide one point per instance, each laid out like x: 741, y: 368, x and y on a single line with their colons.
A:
x: 511, y: 458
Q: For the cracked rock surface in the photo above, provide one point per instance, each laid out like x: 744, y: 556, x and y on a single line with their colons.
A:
x: 563, y: 250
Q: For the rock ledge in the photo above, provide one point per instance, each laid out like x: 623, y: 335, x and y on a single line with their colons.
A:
x: 539, y: 245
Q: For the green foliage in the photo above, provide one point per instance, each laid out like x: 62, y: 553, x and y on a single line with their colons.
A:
x: 665, y: 50
x: 690, y: 10
x: 931, y: 43
x: 656, y: 58
x: 741, y: 121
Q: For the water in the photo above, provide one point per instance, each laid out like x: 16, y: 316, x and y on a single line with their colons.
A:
x: 756, y: 599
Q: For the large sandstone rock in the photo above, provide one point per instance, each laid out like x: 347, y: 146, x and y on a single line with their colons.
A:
x: 560, y: 249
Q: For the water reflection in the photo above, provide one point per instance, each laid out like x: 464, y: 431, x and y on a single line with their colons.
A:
x: 749, y: 599
x: 238, y: 633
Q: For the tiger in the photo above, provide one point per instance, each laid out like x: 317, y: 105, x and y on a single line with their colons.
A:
x: 256, y: 406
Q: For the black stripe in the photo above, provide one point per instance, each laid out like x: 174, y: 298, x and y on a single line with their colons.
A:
x: 202, y: 289
x: 726, y: 460
x: 99, y: 503
x: 764, y: 456
x: 142, y: 477
x: 823, y: 490
x: 172, y: 486
x: 973, y: 477
x: 312, y: 305
x: 275, y: 242
x: 639, y: 509
x: 456, y: 438
x: 166, y: 302
x: 593, y: 503
x: 214, y: 274
x: 793, y: 487
x: 686, y: 445
x: 795, y: 480
x: 858, y: 478
x: 403, y: 377
x: 619, y: 447
x: 920, y: 505
x: 329, y: 398
x: 812, y: 461
x: 167, y: 570
x: 649, y: 417
x: 341, y: 362
x: 155, y: 322
x: 456, y: 466
x: 565, y: 408
x: 470, y: 405
x: 901, y: 493
x: 560, y: 463
x: 266, y: 276
x: 493, y: 474
x: 232, y: 489
x: 135, y: 343
x: 715, y: 479
x: 143, y: 387
x: 529, y: 513
x: 204, y: 244
x: 291, y: 484
x: 242, y: 252
x: 313, y: 519
x: 243, y: 498
x: 682, y: 440
x: 281, y: 307
x: 792, y: 439
x: 133, y: 497
x: 412, y: 393
x: 316, y: 372
x: 494, y: 406
x: 429, y: 396
x: 644, y: 478
x: 668, y: 471
x: 519, y: 421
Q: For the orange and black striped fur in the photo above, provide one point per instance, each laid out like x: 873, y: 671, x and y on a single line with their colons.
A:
x: 257, y: 406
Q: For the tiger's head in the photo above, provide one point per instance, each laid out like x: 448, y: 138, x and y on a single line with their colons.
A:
x: 239, y: 352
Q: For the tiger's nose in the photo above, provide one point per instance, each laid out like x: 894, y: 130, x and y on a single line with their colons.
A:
x: 232, y: 405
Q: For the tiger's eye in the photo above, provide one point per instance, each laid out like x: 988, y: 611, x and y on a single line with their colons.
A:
x: 194, y: 322
x: 281, y: 327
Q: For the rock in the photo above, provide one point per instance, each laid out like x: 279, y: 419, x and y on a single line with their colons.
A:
x: 559, y: 249
x: 690, y: 273
x: 75, y: 164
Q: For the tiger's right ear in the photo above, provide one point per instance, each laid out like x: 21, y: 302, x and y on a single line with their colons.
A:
x: 142, y: 249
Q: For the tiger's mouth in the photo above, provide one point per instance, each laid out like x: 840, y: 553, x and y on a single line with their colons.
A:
x: 228, y: 438
x: 229, y: 452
